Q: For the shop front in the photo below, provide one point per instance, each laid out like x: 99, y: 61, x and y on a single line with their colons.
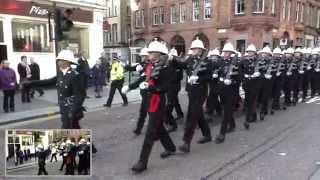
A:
x: 24, y: 30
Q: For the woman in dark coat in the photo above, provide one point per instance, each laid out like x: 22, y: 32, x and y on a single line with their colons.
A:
x: 98, y: 77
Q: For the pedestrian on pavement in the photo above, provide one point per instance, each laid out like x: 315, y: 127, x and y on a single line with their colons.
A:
x: 35, y: 75
x: 8, y: 84
x: 98, y: 77
x: 156, y: 83
x: 53, y: 153
x: 84, y: 70
x: 71, y: 91
x: 117, y: 80
x: 25, y: 75
x: 42, y: 156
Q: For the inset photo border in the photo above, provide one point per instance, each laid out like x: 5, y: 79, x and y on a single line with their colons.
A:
x: 48, y: 152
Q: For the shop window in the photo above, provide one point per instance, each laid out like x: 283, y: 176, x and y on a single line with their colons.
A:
x: 30, y: 37
x: 1, y: 32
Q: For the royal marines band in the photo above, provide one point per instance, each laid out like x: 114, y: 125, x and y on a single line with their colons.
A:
x: 215, y: 80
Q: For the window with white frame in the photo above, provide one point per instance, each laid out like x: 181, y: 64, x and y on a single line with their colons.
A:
x: 195, y: 10
x: 155, y: 16
x: 162, y: 15
x: 139, y: 18
x: 298, y: 11
x: 273, y: 7
x: 289, y: 10
x: 173, y: 14
x: 114, y: 33
x: 284, y: 8
x: 183, y: 12
x: 302, y: 13
x: 239, y: 7
x: 259, y: 6
x: 207, y: 9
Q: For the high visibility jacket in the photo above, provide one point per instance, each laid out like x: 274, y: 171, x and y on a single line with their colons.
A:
x: 116, y: 71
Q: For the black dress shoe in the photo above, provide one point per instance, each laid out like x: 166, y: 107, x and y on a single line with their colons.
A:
x: 107, y: 105
x: 166, y: 154
x: 262, y: 114
x: 137, y: 132
x: 204, y: 140
x: 246, y: 125
x: 185, y: 148
x: 219, y: 139
x: 125, y: 104
x: 139, y: 167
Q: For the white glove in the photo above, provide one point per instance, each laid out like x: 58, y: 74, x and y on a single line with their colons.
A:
x: 227, y: 82
x: 289, y: 73
x: 256, y: 74
x: 317, y: 70
x: 309, y: 67
x: 139, y: 68
x: 12, y: 84
x: 125, y: 89
x: 214, y: 76
x: 143, y: 85
x: 278, y: 74
x: 193, y: 79
x: 246, y: 76
x: 268, y: 76
x: 301, y: 72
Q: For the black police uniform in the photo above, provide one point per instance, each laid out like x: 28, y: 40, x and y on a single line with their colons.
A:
x: 213, y: 102
x: 278, y: 85
x: 197, y: 94
x: 42, y: 156
x: 158, y: 86
x: 288, y: 84
x: 229, y: 69
x: 70, y: 159
x: 84, y: 159
x: 71, y: 95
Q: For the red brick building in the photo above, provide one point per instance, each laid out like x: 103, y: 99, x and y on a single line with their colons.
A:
x: 272, y: 22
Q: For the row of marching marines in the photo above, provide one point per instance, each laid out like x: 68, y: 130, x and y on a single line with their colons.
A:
x: 214, y: 79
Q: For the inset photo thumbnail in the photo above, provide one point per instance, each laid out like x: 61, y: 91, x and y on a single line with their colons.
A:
x: 57, y: 152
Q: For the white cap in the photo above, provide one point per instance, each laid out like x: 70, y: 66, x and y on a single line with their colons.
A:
x: 164, y: 49
x: 228, y: 47
x: 144, y: 52
x: 155, y: 46
x: 197, y: 44
x: 308, y: 51
x: 67, y: 55
x: 68, y: 141
x: 266, y: 50
x: 277, y: 50
x: 40, y: 146
x: 299, y: 50
x: 251, y: 48
x: 289, y: 51
x: 82, y: 141
x: 315, y: 51
x: 215, y: 52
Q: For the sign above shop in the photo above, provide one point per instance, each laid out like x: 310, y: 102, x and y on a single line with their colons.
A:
x: 38, y: 11
x: 22, y: 8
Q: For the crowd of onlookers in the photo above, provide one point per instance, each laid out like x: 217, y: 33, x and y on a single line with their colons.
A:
x: 97, y: 76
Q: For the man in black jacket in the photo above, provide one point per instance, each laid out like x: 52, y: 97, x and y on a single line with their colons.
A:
x: 25, y: 75
x: 84, y: 71
x: 35, y: 75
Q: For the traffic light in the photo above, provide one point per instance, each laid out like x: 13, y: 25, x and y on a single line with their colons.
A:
x: 63, y: 24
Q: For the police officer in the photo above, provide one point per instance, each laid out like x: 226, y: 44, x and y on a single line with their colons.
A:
x: 156, y: 84
x: 117, y: 80
x: 141, y: 68
x: 62, y: 150
x: 229, y: 79
x: 278, y: 79
x: 288, y: 84
x: 250, y: 67
x: 297, y: 74
x: 213, y: 102
x: 42, y: 156
x: 172, y: 95
x: 84, y: 157
x: 267, y: 80
x: 315, y: 72
x: 198, y: 69
x: 70, y: 157
x: 71, y: 90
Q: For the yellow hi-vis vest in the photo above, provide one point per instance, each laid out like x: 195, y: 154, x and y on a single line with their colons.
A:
x: 116, y: 71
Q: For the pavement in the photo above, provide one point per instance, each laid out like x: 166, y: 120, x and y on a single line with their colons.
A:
x: 46, y: 106
x: 283, y: 147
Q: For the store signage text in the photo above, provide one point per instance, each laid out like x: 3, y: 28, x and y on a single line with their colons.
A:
x: 38, y: 11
